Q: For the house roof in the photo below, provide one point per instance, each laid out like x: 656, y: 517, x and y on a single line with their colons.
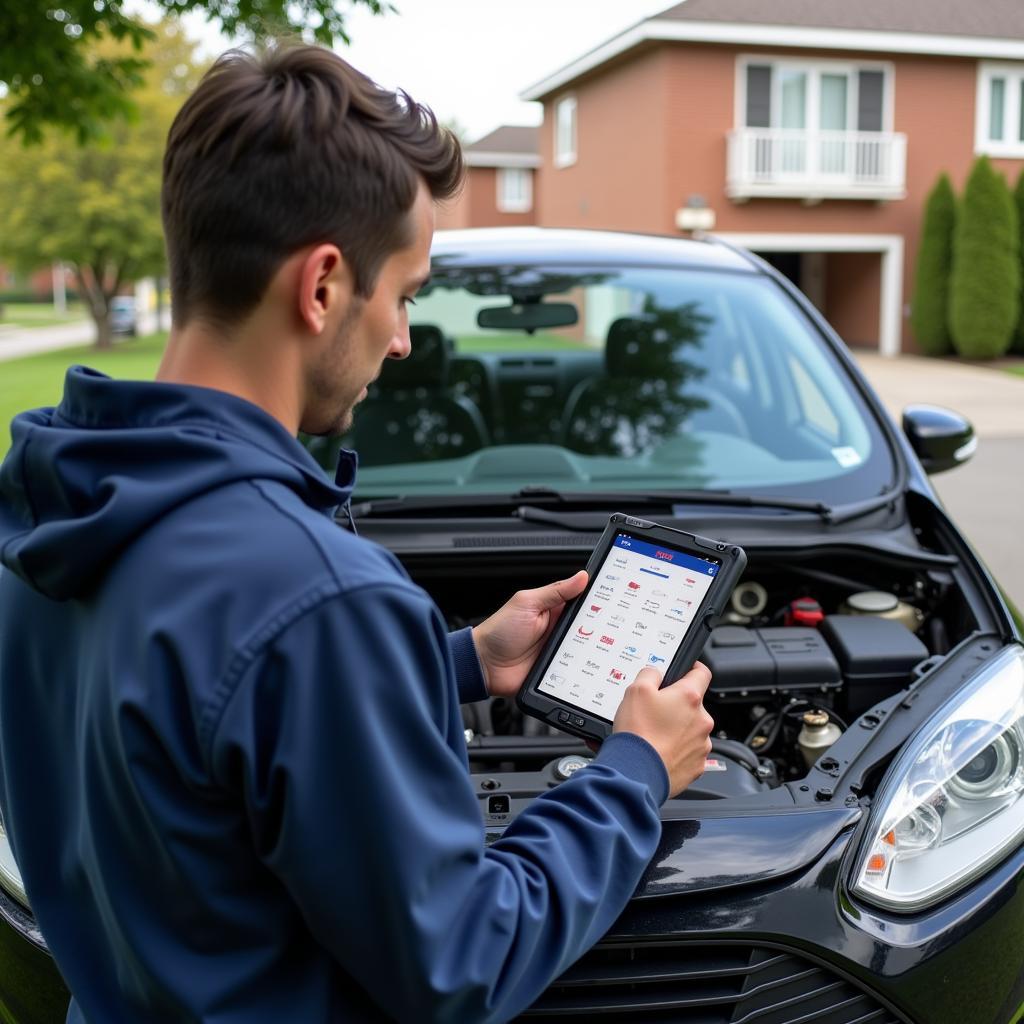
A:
x: 511, y: 145
x: 996, y: 19
x: 962, y: 28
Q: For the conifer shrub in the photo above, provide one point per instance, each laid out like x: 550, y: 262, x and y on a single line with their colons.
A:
x: 984, y: 290
x: 929, y: 311
x: 1017, y: 345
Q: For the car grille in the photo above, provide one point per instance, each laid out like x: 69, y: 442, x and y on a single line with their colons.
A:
x: 705, y: 984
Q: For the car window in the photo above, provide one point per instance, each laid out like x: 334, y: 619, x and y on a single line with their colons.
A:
x: 615, y: 378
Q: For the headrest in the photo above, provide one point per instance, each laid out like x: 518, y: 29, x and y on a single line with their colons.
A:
x: 633, y: 348
x: 426, y: 366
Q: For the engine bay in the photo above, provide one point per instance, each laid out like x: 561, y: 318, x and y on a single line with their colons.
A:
x: 807, y: 647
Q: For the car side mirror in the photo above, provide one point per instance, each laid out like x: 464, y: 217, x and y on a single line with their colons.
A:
x: 943, y: 439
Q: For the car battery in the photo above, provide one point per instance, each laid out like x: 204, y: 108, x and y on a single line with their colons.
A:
x: 877, y: 657
x: 748, y: 665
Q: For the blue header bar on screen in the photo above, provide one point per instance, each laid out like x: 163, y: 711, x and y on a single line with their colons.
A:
x: 665, y: 555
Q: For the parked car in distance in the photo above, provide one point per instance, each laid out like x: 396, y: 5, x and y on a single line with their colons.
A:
x: 852, y: 852
x: 124, y: 315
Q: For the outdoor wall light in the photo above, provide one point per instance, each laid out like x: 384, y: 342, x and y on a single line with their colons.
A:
x: 695, y: 215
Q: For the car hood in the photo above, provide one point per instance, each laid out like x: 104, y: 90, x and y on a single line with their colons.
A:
x: 720, y: 849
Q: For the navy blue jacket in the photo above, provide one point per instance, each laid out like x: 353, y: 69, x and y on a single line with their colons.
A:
x: 232, y: 762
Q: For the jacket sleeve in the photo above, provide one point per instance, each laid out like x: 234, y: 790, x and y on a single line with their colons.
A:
x: 469, y: 673
x: 337, y: 741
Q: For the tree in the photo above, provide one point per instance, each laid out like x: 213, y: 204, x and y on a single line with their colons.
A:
x: 97, y: 207
x: 929, y: 311
x: 53, y: 73
x: 1017, y: 345
x: 984, y: 300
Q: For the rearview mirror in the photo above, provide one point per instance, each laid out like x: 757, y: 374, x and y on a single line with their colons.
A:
x: 528, y: 316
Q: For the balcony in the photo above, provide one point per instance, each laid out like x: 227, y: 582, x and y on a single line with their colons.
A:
x: 807, y: 165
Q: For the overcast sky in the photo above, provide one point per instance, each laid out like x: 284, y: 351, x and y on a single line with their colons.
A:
x: 470, y: 59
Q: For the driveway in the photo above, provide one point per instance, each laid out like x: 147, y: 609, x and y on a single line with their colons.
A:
x: 985, y: 496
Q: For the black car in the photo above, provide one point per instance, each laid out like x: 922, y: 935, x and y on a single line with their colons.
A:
x: 852, y: 852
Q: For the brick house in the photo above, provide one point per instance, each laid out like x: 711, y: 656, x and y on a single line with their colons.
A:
x: 808, y: 130
x: 499, y: 189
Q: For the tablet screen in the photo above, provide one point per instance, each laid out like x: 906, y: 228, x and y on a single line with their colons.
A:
x: 637, y: 611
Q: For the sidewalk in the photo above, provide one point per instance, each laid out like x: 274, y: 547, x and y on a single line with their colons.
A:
x: 28, y: 341
x: 32, y: 340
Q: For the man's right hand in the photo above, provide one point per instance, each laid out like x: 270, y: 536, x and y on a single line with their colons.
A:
x: 672, y: 720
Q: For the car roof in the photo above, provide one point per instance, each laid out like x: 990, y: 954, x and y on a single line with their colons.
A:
x: 572, y: 245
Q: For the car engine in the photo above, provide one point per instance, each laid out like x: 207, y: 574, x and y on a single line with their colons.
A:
x: 805, y: 650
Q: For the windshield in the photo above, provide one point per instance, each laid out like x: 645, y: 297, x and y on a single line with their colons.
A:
x: 601, y: 379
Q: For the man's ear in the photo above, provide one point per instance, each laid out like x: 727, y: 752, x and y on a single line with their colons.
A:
x: 325, y: 283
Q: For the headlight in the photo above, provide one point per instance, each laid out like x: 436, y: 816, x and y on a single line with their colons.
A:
x: 10, y: 876
x: 953, y: 804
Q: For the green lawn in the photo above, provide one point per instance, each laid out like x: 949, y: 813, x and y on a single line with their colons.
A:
x: 518, y: 341
x: 39, y: 380
x: 1017, y: 370
x: 38, y: 314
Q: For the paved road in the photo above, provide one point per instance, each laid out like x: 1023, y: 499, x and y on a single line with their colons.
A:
x: 985, y: 496
x: 30, y: 341
x: 15, y: 343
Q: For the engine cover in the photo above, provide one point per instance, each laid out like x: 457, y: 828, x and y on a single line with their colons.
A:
x: 748, y: 665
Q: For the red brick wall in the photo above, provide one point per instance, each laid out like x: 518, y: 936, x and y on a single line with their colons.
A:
x: 652, y: 131
x: 618, y: 180
x: 477, y: 205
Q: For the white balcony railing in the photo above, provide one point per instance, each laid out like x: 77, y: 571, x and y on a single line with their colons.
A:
x: 809, y: 165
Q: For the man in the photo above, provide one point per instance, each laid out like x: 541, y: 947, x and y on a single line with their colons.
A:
x: 233, y: 765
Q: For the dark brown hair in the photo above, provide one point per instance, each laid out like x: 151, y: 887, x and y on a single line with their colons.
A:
x: 286, y: 149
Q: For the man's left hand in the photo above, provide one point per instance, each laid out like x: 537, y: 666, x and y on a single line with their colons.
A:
x: 510, y: 640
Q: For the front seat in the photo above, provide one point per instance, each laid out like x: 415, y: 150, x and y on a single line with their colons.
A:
x: 410, y: 414
x: 649, y: 391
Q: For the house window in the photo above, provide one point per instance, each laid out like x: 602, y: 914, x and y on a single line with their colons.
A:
x: 515, y: 190
x: 565, y: 131
x: 814, y: 96
x: 999, y: 115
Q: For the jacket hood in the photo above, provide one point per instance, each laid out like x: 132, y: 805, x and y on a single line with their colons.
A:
x: 83, y: 479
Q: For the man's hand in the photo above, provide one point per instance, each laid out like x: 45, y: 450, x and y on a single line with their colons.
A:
x: 509, y: 641
x: 672, y: 720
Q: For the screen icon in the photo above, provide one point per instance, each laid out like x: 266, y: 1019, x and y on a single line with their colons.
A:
x: 633, y: 585
x: 595, y: 607
x: 614, y: 674
x: 609, y: 640
x: 655, y: 659
x: 583, y: 631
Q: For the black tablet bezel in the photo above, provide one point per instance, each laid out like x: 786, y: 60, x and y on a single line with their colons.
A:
x: 580, y: 722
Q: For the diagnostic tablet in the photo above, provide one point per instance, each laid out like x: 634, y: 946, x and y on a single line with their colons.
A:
x: 652, y: 595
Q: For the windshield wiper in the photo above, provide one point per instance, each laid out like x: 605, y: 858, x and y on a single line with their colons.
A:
x: 601, y: 500
x: 548, y: 495
x: 830, y: 514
